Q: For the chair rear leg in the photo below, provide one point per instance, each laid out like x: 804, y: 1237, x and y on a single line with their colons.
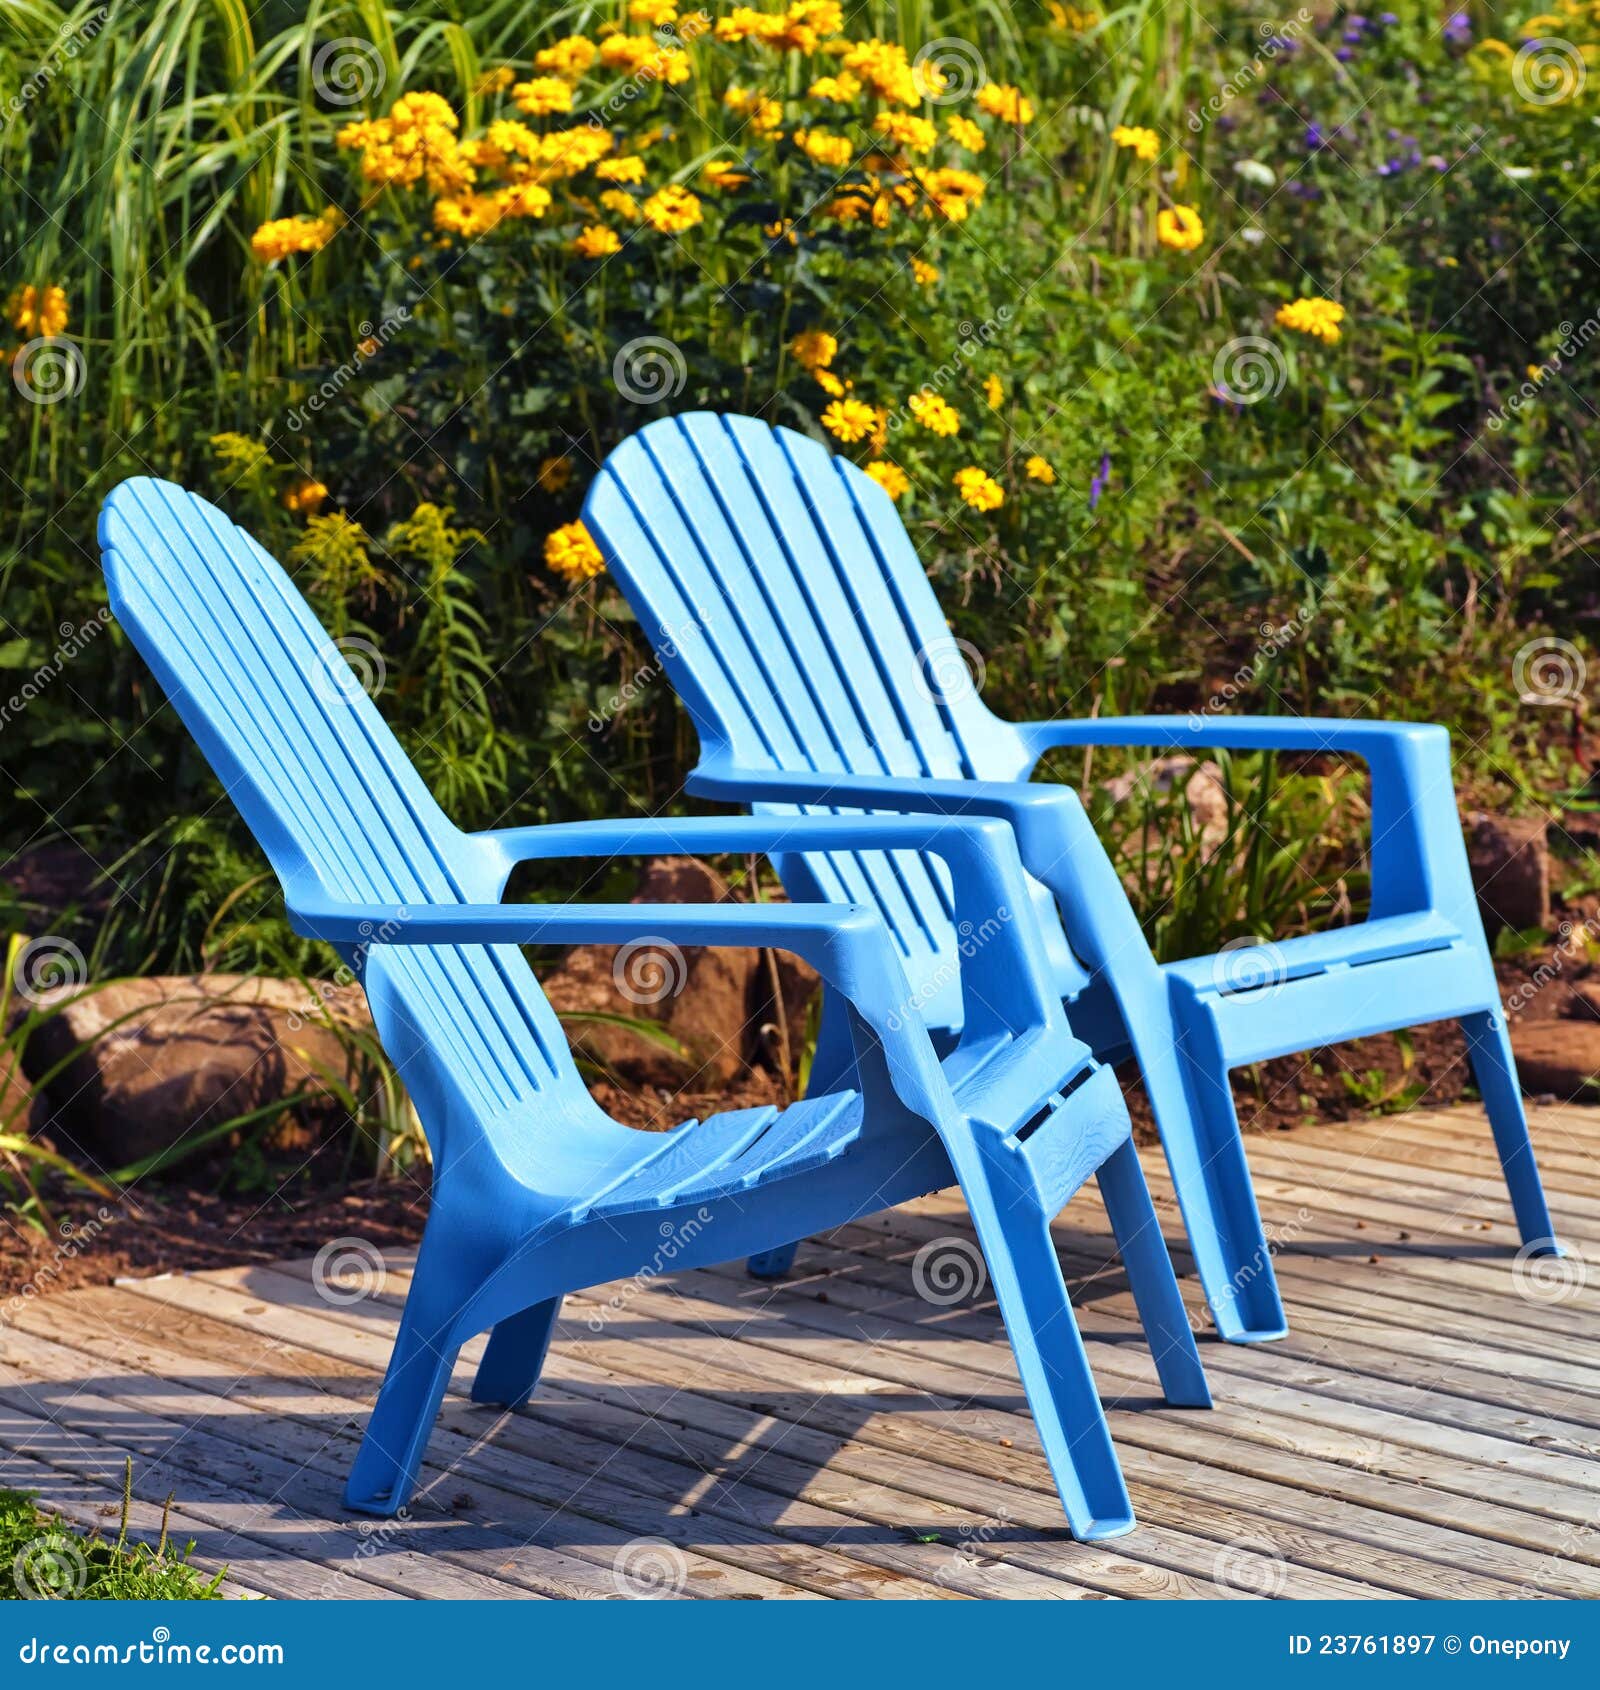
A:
x: 384, y: 1473
x: 1494, y: 1067
x: 514, y: 1356
x: 772, y: 1264
x: 1186, y: 1076
x: 1155, y: 1285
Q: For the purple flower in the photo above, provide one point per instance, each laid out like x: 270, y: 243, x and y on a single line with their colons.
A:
x: 1101, y: 476
x: 1315, y: 139
x: 1458, y: 29
x: 1344, y: 54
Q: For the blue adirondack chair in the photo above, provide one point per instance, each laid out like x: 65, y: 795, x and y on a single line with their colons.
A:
x: 536, y: 1190
x: 785, y: 599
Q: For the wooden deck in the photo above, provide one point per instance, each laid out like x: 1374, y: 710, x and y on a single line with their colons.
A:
x: 1431, y: 1428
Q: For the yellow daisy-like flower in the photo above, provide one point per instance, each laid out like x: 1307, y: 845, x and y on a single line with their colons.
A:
x: 620, y: 204
x: 1144, y: 144
x: 842, y: 88
x: 835, y: 151
x: 569, y: 57
x: 543, y: 95
x: 1319, y: 317
x: 1179, y: 227
x: 814, y: 349
x: 916, y: 134
x: 630, y: 169
x: 1003, y: 101
x: 936, y: 415
x: 829, y: 383
x: 672, y: 209
x: 724, y: 174
x: 596, y: 241
x: 1037, y: 469
x: 890, y: 477
x: 570, y: 552
x: 306, y: 496
x: 923, y: 273
x: 964, y: 132
x: 34, y: 311
x: 979, y: 489
x: 553, y: 474
x: 285, y: 236
x: 496, y: 81
x: 760, y: 111
x: 849, y: 420
x: 994, y: 391
x: 653, y: 12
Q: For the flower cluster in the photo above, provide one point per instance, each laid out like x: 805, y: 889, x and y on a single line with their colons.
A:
x: 1318, y: 317
x: 285, y: 236
x: 36, y: 311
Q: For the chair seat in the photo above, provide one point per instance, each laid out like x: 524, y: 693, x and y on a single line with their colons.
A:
x: 729, y: 1153
x: 1227, y: 975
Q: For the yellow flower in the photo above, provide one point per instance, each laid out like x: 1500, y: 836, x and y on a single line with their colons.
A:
x: 569, y: 57
x: 890, y: 477
x: 849, y: 420
x: 835, y: 151
x: 1036, y: 469
x: 1143, y: 143
x: 979, y: 489
x: 571, y: 553
x: 936, y: 415
x: 32, y: 312
x: 759, y: 110
x: 1319, y: 317
x: 994, y: 391
x: 653, y: 12
x: 814, y: 349
x: 642, y: 57
x: 620, y: 204
x: 883, y: 67
x: 905, y: 130
x: 1179, y: 227
x: 596, y: 241
x: 1536, y: 372
x: 630, y: 169
x: 287, y: 235
x: 964, y: 132
x: 553, y: 474
x: 1003, y: 101
x: 829, y: 383
x: 723, y: 173
x: 842, y: 88
x: 305, y: 497
x: 496, y: 81
x: 543, y: 95
x: 671, y: 209
x: 923, y: 273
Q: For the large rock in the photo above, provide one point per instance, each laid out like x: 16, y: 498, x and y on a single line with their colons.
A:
x: 166, y: 1057
x: 713, y: 1003
x: 1510, y: 861
x: 1202, y: 787
x: 1561, y: 1057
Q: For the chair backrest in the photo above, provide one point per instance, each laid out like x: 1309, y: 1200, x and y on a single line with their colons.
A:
x: 785, y: 599
x: 301, y: 750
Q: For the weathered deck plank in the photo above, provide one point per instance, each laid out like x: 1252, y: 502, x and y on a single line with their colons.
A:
x: 1430, y: 1427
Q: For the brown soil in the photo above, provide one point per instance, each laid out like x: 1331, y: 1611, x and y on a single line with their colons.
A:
x: 170, y: 1228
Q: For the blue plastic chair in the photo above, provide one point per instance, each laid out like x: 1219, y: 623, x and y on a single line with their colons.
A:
x: 536, y: 1190
x: 785, y: 599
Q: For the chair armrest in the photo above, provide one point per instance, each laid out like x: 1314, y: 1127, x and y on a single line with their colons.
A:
x: 1225, y: 733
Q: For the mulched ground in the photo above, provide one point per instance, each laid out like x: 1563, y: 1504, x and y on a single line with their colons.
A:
x: 170, y: 1228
